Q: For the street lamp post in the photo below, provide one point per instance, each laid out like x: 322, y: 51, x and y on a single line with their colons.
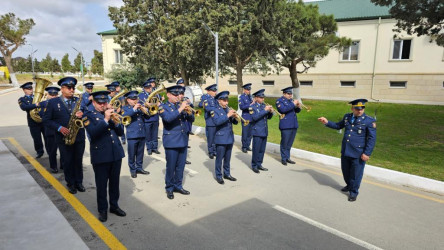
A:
x: 81, y: 67
x: 32, y: 59
x: 216, y: 37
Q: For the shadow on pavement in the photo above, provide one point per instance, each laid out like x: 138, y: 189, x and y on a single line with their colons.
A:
x: 322, y: 179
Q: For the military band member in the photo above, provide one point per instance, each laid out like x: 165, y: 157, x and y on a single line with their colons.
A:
x: 116, y: 84
x: 112, y: 91
x: 181, y: 83
x: 36, y: 129
x: 135, y: 133
x: 245, y: 100
x: 53, y: 92
x: 209, y: 103
x: 357, y: 145
x: 86, y: 96
x: 106, y: 154
x: 289, y: 124
x: 57, y: 115
x: 223, y: 117
x: 260, y: 113
x: 152, y: 121
x: 175, y: 139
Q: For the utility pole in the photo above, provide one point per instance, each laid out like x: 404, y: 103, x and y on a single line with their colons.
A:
x: 216, y: 37
x: 32, y: 60
x: 81, y: 68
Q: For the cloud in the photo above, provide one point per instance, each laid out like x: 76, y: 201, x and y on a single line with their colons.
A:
x: 61, y: 25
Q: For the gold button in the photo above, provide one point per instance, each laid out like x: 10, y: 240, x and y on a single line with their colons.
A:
x: 348, y: 140
x: 351, y: 129
x: 353, y: 125
x: 113, y: 141
x: 349, y: 135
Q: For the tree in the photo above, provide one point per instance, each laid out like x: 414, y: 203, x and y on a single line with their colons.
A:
x: 165, y: 38
x: 97, y: 63
x: 302, y: 36
x: 66, y: 64
x: 37, y: 67
x: 12, y: 35
x: 128, y: 76
x: 77, y: 64
x: 46, y: 64
x: 19, y: 64
x: 420, y: 17
x: 55, y: 65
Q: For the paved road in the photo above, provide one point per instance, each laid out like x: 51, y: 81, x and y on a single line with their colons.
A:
x: 289, y: 207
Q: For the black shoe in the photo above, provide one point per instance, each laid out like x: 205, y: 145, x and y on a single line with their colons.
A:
x: 188, y: 147
x: 284, y: 163
x: 220, y: 181
x: 141, y: 171
x: 80, y: 187
x: 290, y: 161
x: 248, y: 149
x: 39, y: 155
x: 187, y: 162
x: 158, y: 138
x: 191, y: 133
x: 133, y: 175
x: 244, y: 150
x: 211, y: 156
x: 117, y: 211
x: 256, y: 171
x: 156, y: 151
x: 182, y: 191
x: 262, y: 168
x: 72, y: 189
x: 352, y: 198
x: 54, y: 170
x: 170, y: 195
x: 345, y: 189
x: 229, y: 177
x: 150, y: 153
x: 103, y: 216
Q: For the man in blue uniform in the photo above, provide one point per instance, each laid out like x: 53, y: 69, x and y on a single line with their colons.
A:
x: 260, y: 113
x: 175, y: 139
x: 181, y: 83
x: 135, y: 133
x: 36, y: 129
x: 245, y: 100
x: 209, y: 103
x: 357, y: 144
x: 106, y: 154
x: 86, y: 96
x: 289, y: 124
x: 53, y: 92
x: 152, y: 121
x: 223, y: 117
x: 57, y: 115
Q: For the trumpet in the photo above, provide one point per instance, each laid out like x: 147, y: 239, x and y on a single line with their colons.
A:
x: 308, y: 108
x: 119, y: 119
x: 281, y: 116
x: 239, y: 118
x: 190, y: 110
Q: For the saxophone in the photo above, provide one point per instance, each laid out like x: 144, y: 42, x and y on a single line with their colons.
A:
x: 74, y: 124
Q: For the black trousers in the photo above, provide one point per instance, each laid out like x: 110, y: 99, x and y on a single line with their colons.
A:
x: 37, y: 132
x: 72, y: 156
x: 108, y: 172
x: 52, y: 151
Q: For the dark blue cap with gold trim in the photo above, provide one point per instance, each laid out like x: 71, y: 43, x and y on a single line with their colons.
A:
x: 175, y: 89
x: 247, y: 86
x: 101, y: 96
x: 89, y: 84
x: 110, y: 87
x: 259, y: 93
x: 53, y: 90
x: 27, y: 85
x: 222, y: 95
x: 287, y: 90
x: 67, y: 81
x: 115, y: 84
x: 212, y: 87
x: 358, y: 103
x: 133, y: 94
x: 180, y: 81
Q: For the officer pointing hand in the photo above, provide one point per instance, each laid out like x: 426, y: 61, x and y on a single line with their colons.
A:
x: 323, y: 120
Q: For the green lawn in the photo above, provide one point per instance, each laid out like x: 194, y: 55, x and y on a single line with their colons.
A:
x: 410, y: 138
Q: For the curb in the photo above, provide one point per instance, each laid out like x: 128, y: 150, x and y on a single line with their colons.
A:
x: 378, y: 173
x: 8, y: 90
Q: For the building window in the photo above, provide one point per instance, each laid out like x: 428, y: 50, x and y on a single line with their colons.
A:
x: 268, y: 83
x: 401, y: 49
x: 348, y: 83
x: 232, y: 82
x: 118, y: 57
x: 398, y: 84
x: 351, y: 53
x: 306, y: 83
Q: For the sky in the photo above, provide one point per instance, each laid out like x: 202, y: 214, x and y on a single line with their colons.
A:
x: 61, y: 25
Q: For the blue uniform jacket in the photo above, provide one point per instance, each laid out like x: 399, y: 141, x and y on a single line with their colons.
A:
x: 359, y: 137
x: 85, y: 101
x: 43, y: 105
x: 142, y: 98
x: 287, y: 107
x: 175, y: 128
x: 224, y: 126
x: 25, y: 103
x: 244, y: 104
x: 209, y: 105
x: 57, y: 115
x: 105, y: 144
x: 203, y: 98
x: 136, y: 129
x: 259, y: 118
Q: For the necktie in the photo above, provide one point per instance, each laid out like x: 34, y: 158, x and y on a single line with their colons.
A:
x: 69, y: 103
x: 353, y: 119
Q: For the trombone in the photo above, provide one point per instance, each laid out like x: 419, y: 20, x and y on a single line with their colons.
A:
x: 239, y: 118
x: 281, y: 116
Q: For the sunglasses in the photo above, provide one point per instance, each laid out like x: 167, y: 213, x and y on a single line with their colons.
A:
x: 89, y: 87
x: 53, y: 94
x: 69, y: 87
x: 28, y: 88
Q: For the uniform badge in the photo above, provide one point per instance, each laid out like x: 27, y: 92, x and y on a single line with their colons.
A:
x: 212, y: 113
x: 20, y: 102
x: 251, y: 110
x: 86, y: 123
x: 58, y: 105
x: 374, y: 124
x: 359, y: 131
x: 279, y: 106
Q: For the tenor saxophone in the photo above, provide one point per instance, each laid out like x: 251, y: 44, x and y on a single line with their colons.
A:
x: 74, y: 124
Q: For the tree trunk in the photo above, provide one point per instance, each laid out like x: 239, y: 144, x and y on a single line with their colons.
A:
x: 239, y: 80
x: 184, y: 75
x: 294, y: 80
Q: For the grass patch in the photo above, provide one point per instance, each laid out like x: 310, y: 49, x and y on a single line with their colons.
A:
x: 410, y: 138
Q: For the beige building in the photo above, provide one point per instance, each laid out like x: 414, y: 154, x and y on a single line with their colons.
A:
x: 377, y: 66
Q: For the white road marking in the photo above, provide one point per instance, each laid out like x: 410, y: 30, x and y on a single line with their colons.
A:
x: 327, y: 228
x: 190, y: 171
